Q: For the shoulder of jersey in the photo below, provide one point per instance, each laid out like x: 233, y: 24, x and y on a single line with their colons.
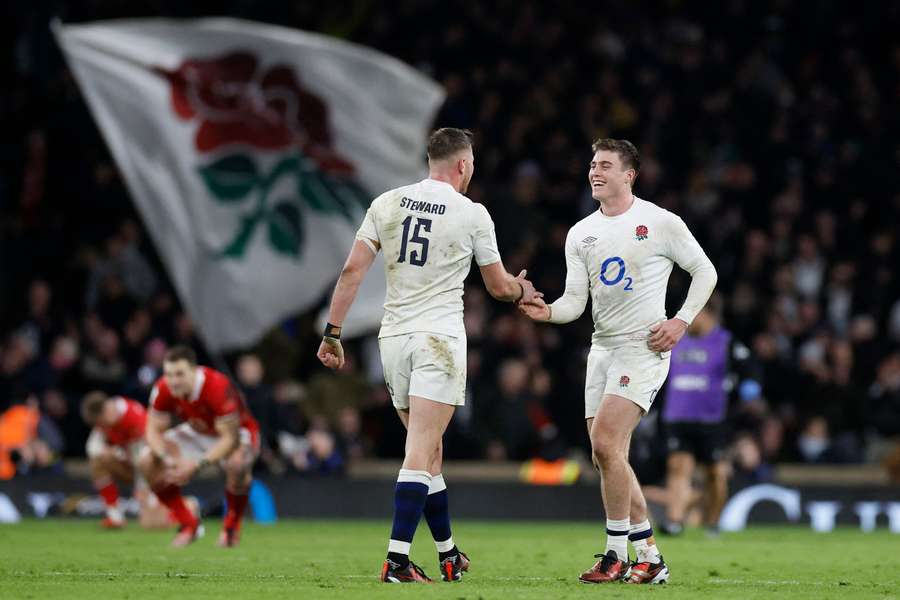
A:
x: 160, y: 385
x: 584, y: 222
x: 655, y: 210
x: 216, y: 378
x: 459, y: 197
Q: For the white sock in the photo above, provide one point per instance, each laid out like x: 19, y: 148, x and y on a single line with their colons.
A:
x: 617, y: 537
x: 645, y: 547
x: 114, y: 513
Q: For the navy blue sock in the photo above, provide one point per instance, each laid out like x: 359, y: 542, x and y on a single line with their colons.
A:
x: 437, y: 513
x: 409, y: 501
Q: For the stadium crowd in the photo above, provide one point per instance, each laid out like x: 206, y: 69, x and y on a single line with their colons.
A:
x: 780, y: 151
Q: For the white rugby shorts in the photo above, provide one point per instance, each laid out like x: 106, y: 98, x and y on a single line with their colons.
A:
x: 97, y: 445
x: 194, y: 445
x: 633, y: 372
x: 428, y: 365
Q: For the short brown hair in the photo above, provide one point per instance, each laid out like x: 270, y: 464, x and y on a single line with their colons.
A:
x: 628, y: 154
x: 92, y: 406
x: 176, y: 353
x: 447, y: 141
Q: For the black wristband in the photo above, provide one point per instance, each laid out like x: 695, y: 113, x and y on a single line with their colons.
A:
x: 332, y: 331
x: 521, y: 292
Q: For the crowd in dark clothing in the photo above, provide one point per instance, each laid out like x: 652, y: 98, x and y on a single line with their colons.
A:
x: 771, y: 129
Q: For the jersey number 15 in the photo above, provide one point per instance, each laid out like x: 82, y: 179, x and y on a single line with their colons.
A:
x: 416, y: 257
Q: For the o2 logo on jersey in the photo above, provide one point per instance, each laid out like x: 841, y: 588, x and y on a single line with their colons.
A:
x: 612, y: 272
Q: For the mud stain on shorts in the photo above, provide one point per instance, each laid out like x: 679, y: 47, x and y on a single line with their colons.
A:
x: 442, y: 353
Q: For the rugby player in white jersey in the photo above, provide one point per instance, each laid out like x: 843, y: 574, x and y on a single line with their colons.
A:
x: 429, y: 232
x: 622, y: 255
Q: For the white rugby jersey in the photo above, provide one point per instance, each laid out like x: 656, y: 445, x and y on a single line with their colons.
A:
x: 624, y: 263
x: 429, y: 233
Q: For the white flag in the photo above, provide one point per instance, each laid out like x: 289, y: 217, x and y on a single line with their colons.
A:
x: 252, y: 152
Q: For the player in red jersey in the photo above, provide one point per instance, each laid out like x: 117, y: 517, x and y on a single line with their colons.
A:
x: 116, y: 440
x: 217, y: 429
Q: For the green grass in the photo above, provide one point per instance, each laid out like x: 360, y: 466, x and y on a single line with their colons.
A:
x: 340, y: 559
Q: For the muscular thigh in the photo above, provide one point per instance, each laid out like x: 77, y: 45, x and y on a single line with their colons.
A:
x: 615, y: 420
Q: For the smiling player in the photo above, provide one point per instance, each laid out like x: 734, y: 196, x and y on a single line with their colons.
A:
x: 622, y: 255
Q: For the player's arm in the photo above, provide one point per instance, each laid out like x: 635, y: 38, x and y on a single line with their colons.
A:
x: 228, y: 427
x: 570, y: 305
x: 97, y: 445
x: 361, y: 257
x: 502, y: 286
x: 157, y: 423
x: 687, y: 253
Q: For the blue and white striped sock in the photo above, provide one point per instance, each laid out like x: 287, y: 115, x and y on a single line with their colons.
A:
x: 409, y: 500
x: 437, y: 513
x: 641, y: 537
x: 617, y: 537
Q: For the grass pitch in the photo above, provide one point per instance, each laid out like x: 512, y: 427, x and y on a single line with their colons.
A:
x: 341, y: 559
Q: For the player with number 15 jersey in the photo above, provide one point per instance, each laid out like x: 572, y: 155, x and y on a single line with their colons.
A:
x: 429, y: 232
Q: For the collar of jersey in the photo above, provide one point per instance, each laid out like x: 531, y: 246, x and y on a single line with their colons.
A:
x: 634, y: 201
x: 430, y: 181
x: 198, y: 384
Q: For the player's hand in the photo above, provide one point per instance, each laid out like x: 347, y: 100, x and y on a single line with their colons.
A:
x: 181, y: 472
x: 536, y: 310
x: 664, y: 335
x: 331, y: 353
x: 528, y: 291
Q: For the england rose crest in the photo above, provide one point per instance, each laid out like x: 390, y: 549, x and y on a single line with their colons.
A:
x: 243, y: 111
x: 624, y: 380
x: 640, y: 232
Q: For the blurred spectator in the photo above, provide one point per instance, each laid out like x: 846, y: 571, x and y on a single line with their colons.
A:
x: 142, y: 378
x: 350, y: 438
x: 29, y: 441
x: 315, y: 453
x: 814, y: 440
x: 882, y: 408
x: 250, y: 373
x: 506, y: 420
x: 103, y: 368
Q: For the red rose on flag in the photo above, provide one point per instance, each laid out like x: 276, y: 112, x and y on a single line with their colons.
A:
x: 236, y: 102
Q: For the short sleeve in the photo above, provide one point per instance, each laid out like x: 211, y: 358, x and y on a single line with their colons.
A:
x: 367, y: 232
x: 484, y: 239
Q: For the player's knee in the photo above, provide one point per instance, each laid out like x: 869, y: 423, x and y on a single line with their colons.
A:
x: 238, y: 481
x: 605, y: 450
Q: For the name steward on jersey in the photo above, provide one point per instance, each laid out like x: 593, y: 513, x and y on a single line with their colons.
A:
x: 422, y: 206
